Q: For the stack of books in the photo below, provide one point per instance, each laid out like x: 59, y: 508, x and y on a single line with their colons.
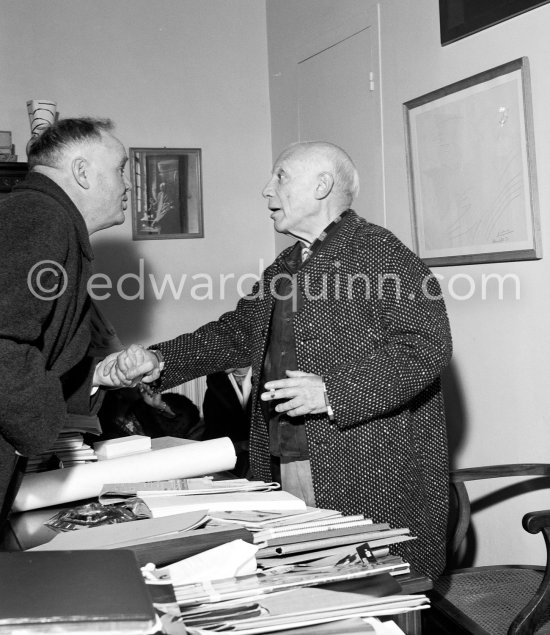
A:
x: 293, y: 536
x: 68, y: 450
x: 317, y: 535
x: 314, y: 567
x: 42, y: 462
x: 323, y: 587
x: 71, y: 450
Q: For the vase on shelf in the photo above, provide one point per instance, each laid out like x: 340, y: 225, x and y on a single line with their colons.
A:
x: 42, y: 113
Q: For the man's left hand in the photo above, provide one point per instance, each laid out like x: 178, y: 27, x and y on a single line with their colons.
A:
x: 304, y: 393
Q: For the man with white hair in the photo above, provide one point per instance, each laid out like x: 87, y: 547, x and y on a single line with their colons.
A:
x: 347, y: 335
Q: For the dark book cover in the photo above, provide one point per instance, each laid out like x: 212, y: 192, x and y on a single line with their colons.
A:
x: 86, y: 590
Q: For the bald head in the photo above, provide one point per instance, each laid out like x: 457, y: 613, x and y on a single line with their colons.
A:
x: 325, y: 156
x: 311, y: 184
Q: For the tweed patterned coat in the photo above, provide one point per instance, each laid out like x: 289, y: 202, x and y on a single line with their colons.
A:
x: 374, y: 325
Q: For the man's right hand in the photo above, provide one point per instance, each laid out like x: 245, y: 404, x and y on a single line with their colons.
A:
x: 127, y: 368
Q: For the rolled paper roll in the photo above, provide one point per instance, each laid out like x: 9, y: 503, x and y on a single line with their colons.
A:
x: 56, y: 487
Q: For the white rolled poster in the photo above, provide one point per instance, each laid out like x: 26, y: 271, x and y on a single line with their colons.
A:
x: 56, y: 487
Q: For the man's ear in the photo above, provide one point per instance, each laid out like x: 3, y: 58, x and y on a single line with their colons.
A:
x: 79, y: 168
x: 325, y: 183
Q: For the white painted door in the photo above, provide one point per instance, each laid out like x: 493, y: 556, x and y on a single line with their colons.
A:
x: 338, y: 104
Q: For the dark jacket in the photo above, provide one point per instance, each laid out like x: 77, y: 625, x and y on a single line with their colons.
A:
x: 224, y: 416
x: 223, y: 413
x: 374, y: 325
x: 46, y: 257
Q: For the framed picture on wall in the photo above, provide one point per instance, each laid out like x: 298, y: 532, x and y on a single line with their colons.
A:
x: 471, y: 169
x: 460, y: 18
x: 166, y: 193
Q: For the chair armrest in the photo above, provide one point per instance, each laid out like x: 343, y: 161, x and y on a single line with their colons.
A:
x: 499, y: 471
x: 533, y: 522
x: 529, y: 617
x: 458, y: 478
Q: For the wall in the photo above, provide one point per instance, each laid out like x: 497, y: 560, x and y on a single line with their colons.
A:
x: 497, y: 385
x: 496, y: 388
x: 298, y: 31
x: 173, y: 73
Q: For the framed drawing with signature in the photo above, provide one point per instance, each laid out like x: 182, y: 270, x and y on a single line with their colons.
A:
x: 472, y: 172
x: 166, y: 193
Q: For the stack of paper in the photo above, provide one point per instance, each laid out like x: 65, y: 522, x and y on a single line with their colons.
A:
x: 271, y: 500
x: 305, y: 607
x: 269, y: 601
x: 301, y: 552
x: 159, y: 540
x: 258, y: 520
x: 266, y: 582
x: 118, y: 492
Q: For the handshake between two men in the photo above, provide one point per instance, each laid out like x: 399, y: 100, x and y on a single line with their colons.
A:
x: 128, y: 368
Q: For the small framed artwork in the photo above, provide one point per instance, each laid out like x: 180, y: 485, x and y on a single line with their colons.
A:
x: 460, y: 18
x: 166, y: 193
x: 472, y: 172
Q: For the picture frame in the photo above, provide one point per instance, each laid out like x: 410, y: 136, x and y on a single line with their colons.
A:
x: 166, y: 193
x: 11, y: 172
x: 472, y: 171
x: 461, y: 18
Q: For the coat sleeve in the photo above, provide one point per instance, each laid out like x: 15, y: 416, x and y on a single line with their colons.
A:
x: 33, y: 406
x: 78, y: 382
x: 216, y: 346
x: 414, y: 347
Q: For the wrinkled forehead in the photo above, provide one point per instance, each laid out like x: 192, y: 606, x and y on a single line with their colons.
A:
x: 296, y: 159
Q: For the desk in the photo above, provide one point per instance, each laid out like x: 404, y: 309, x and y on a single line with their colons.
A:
x: 27, y: 530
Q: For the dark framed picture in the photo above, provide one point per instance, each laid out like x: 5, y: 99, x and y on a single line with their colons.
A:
x: 460, y: 18
x: 166, y: 193
x: 472, y: 170
x: 11, y: 172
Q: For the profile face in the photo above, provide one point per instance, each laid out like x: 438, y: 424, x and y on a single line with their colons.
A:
x: 290, y: 192
x: 111, y: 185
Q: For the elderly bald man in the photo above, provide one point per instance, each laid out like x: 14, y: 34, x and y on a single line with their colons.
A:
x: 347, y: 334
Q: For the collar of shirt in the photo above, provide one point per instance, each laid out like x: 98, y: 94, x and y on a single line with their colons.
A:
x: 301, y: 253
